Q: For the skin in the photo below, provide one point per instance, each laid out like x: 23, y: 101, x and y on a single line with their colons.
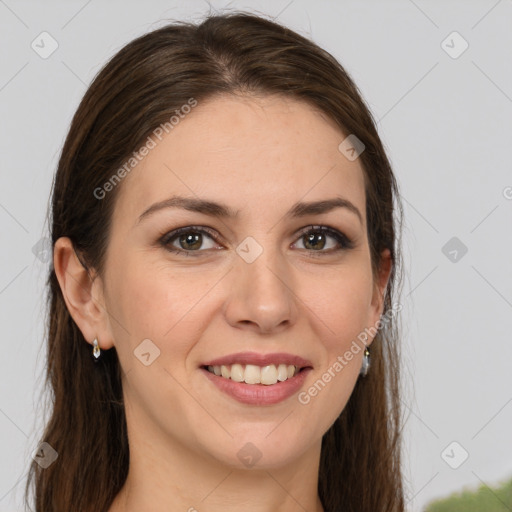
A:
x: 259, y: 156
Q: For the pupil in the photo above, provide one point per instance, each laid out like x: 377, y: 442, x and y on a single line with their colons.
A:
x: 186, y: 239
x: 312, y: 237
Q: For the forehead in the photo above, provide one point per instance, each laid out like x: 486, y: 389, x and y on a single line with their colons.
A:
x: 255, y: 154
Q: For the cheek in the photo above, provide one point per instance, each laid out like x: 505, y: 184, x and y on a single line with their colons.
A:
x: 143, y: 301
x: 157, y: 302
x: 342, y: 304
x: 342, y: 314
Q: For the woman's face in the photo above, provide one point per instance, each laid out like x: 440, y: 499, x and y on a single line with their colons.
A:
x: 261, y: 282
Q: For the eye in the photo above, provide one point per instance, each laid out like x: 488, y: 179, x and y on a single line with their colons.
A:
x: 315, y: 239
x: 187, y: 240
x: 190, y: 239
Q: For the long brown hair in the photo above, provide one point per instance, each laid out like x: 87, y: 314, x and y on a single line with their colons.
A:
x: 139, y: 89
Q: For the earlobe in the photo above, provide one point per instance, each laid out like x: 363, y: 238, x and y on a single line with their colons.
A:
x: 78, y: 289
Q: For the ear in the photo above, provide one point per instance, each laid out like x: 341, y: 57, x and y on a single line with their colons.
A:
x: 380, y: 285
x: 83, y: 294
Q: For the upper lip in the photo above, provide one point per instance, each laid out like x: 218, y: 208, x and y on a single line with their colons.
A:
x: 260, y: 359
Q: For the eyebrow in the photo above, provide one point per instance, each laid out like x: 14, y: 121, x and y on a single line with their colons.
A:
x: 220, y: 210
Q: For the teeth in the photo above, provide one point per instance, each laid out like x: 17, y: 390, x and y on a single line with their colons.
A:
x: 236, y: 372
x: 268, y: 374
x: 252, y: 374
x: 221, y: 371
x: 282, y: 372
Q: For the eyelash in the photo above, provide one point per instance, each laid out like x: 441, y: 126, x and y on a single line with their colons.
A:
x: 341, y: 238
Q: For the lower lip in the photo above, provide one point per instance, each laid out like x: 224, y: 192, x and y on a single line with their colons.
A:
x: 259, y: 394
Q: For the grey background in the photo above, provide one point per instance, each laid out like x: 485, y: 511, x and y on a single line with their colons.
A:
x: 446, y: 123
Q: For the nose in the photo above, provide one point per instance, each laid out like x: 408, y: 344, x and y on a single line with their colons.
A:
x: 261, y: 296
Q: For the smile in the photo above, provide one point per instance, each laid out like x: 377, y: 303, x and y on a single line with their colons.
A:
x: 252, y: 374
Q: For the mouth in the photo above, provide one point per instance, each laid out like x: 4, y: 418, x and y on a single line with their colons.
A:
x: 252, y: 374
x: 254, y: 368
x: 255, y: 380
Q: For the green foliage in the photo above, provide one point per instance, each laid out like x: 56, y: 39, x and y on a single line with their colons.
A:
x: 485, y: 499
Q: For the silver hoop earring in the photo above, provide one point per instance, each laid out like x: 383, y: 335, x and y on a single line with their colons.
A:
x: 96, y: 352
x: 366, y: 362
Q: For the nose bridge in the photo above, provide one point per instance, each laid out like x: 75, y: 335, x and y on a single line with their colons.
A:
x: 263, y: 265
x: 261, y: 290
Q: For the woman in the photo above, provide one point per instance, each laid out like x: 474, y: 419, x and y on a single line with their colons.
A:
x: 225, y: 257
